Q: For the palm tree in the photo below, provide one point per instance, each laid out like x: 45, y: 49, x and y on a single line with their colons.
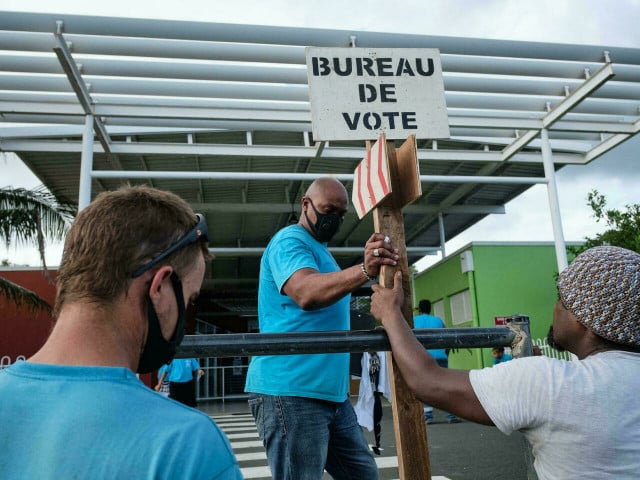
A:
x: 28, y: 217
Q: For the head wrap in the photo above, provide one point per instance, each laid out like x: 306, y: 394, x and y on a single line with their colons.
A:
x: 601, y: 288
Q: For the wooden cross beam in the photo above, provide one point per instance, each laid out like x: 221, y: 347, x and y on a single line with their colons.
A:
x: 402, y: 181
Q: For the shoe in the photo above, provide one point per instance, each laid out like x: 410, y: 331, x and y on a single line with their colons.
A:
x: 376, y: 450
x: 454, y: 420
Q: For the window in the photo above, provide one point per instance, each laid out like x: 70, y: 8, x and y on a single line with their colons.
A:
x: 461, y: 308
x: 438, y: 309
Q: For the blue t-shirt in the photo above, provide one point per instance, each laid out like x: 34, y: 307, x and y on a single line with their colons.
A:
x: 180, y: 370
x: 430, y: 321
x: 505, y: 358
x: 102, y: 423
x: 323, y: 376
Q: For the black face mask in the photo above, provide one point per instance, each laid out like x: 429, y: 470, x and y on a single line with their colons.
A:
x: 327, y: 224
x: 157, y: 350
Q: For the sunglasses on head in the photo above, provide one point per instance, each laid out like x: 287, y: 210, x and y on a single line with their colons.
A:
x: 192, y: 236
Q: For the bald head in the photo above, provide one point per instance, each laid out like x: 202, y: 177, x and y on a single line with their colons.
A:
x: 330, y: 189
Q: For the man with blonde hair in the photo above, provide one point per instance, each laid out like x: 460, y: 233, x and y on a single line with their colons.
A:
x: 132, y: 260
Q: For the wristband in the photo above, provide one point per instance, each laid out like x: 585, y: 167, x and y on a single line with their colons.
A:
x: 364, y: 272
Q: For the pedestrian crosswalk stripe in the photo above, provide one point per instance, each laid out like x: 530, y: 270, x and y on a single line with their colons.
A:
x: 241, y: 445
x: 237, y: 427
x: 248, y: 457
x: 240, y: 428
x: 256, y: 472
x: 235, y: 436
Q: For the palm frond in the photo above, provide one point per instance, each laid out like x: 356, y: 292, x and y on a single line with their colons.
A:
x: 26, y: 214
x: 22, y: 296
x: 28, y: 217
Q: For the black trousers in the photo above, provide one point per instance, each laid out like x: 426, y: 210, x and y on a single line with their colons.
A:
x: 377, y: 416
x: 183, y: 392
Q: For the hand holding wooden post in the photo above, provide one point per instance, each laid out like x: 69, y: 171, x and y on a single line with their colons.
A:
x: 384, y: 182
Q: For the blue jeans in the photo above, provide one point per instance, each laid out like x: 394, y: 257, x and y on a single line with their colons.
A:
x: 305, y: 436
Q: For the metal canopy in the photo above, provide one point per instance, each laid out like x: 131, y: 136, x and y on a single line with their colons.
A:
x: 219, y: 114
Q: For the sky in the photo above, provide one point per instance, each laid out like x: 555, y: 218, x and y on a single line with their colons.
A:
x: 616, y: 174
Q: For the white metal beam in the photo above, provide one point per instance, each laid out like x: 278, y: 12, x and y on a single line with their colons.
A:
x: 554, y: 203
x: 610, y: 143
x: 577, y: 96
x: 336, y: 251
x: 412, y: 209
x: 243, y: 176
x: 283, y: 151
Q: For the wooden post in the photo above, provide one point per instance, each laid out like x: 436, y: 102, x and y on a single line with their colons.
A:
x: 409, y: 426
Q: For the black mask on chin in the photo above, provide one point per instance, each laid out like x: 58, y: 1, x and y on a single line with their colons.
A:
x: 326, y: 226
x: 158, y: 350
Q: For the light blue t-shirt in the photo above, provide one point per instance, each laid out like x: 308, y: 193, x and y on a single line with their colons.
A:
x: 505, y: 358
x: 323, y: 376
x: 430, y: 321
x: 180, y: 370
x: 102, y: 423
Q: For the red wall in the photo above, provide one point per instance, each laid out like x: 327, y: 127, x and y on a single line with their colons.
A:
x: 22, y: 330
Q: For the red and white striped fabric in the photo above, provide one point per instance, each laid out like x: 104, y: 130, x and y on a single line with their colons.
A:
x: 371, y: 180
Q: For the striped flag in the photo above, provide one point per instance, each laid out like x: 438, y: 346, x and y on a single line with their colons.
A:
x: 371, y: 180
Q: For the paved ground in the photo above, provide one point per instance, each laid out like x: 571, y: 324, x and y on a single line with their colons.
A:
x: 462, y: 451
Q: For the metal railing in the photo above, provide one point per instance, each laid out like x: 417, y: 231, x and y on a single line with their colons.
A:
x: 225, y: 378
x: 546, y: 350
x: 290, y: 343
x: 5, y: 360
x: 221, y: 382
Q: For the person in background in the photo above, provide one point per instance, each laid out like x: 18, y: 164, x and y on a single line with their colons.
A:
x: 301, y: 402
x: 374, y: 383
x: 424, y: 319
x: 499, y: 356
x: 133, y: 259
x: 581, y: 417
x: 162, y: 387
x: 182, y: 374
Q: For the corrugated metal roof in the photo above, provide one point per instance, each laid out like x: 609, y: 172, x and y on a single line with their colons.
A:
x: 231, y: 102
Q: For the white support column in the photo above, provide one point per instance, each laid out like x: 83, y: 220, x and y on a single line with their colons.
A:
x: 86, y: 164
x: 554, y: 204
x: 442, y: 237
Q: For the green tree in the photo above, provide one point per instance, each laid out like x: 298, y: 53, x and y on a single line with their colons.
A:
x: 623, y: 227
x: 29, y: 217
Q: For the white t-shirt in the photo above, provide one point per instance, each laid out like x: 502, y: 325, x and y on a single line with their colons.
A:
x: 582, y: 418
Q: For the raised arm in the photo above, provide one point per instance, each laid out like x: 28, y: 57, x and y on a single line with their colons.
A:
x: 443, y: 388
x: 311, y: 289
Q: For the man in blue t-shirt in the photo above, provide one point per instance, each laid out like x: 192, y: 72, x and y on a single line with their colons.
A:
x: 424, y: 319
x: 181, y: 373
x: 499, y: 356
x: 300, y: 402
x: 132, y: 260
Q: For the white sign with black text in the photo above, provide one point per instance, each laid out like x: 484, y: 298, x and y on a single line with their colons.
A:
x: 357, y: 93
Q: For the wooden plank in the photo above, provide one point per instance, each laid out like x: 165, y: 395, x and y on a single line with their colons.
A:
x: 409, y: 189
x: 409, y: 426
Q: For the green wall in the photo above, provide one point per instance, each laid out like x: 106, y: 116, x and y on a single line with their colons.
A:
x: 509, y: 279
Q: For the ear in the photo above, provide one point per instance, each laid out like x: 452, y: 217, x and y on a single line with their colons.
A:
x: 157, y: 280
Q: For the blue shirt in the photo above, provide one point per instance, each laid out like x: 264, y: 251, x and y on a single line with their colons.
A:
x: 430, y: 321
x: 180, y: 370
x: 322, y: 376
x: 505, y: 358
x: 102, y: 423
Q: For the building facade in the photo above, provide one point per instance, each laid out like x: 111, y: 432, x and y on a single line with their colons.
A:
x: 484, y: 281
